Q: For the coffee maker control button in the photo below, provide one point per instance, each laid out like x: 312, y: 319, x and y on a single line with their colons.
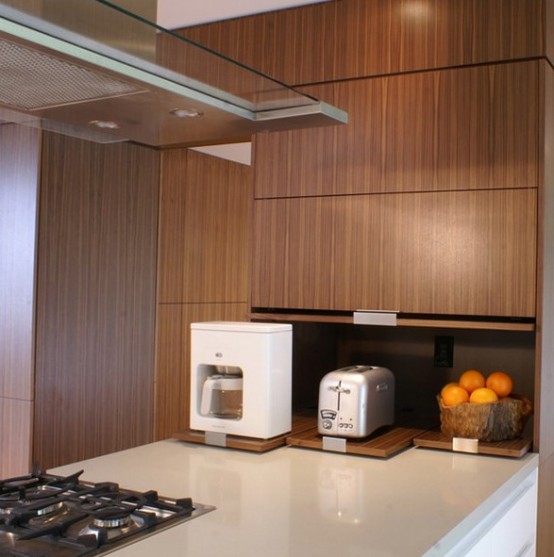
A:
x: 327, y: 424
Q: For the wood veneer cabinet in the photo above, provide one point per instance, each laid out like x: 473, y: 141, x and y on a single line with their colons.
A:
x: 340, y: 40
x: 457, y: 129
x: 204, y: 228
x: 459, y: 253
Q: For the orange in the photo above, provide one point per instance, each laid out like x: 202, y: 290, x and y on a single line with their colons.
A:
x: 501, y: 383
x: 453, y: 395
x: 483, y: 395
x: 471, y: 380
x: 446, y: 387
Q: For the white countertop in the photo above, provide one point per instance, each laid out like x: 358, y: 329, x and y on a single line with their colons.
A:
x: 295, y: 502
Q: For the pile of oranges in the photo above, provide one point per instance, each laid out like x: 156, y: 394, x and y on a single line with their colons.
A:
x: 472, y: 386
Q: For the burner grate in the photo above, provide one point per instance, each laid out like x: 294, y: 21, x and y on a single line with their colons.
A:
x: 46, y: 515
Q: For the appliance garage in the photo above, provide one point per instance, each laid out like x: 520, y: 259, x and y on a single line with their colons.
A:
x: 44, y: 515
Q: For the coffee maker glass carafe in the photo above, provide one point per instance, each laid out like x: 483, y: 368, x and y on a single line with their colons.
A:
x: 222, y: 396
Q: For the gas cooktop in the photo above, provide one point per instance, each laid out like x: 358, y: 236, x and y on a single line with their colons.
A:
x: 43, y: 515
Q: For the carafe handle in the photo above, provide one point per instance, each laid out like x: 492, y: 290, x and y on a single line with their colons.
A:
x: 207, y: 397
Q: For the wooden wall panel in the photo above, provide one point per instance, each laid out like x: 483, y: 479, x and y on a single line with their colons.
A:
x: 545, y: 532
x: 544, y: 413
x: 19, y: 168
x: 204, y: 228
x: 457, y: 253
x: 16, y: 418
x: 357, y: 38
x: 96, y: 299
x: 468, y: 128
x: 173, y: 359
x: 549, y: 19
x: 544, y: 388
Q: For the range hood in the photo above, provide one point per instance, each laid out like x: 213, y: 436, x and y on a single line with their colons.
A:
x: 93, y: 69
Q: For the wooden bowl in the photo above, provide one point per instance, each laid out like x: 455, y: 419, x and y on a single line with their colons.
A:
x: 493, y: 421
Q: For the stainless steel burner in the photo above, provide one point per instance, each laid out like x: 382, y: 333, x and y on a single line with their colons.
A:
x: 50, y: 509
x: 117, y: 522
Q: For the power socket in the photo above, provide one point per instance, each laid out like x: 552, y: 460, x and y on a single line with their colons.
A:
x: 444, y: 351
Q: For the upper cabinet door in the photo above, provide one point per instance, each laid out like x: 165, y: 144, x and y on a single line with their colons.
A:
x: 455, y: 129
x: 204, y: 227
x: 467, y: 253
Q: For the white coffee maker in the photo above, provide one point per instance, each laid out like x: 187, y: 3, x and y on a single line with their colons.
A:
x: 241, y: 378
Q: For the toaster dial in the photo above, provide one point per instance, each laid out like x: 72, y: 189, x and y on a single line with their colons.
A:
x: 326, y: 424
x: 327, y: 418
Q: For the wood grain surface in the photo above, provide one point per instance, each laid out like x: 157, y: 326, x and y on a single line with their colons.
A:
x: 19, y: 161
x: 19, y: 164
x: 465, y: 128
x: 544, y: 389
x: 383, y: 443
x: 16, y: 420
x: 549, y: 30
x: 514, y: 448
x: 96, y: 299
x: 333, y: 41
x: 457, y: 253
x: 204, y: 228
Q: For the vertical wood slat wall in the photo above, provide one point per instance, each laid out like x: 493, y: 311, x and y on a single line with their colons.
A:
x: 95, y: 299
x: 19, y: 164
x: 202, y: 267
x: 342, y: 40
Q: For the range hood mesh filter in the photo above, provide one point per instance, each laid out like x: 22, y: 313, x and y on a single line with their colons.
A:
x: 33, y: 80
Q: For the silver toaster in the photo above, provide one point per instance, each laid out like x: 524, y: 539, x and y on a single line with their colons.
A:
x: 354, y: 401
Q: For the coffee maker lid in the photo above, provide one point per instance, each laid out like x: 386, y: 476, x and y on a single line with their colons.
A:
x: 241, y: 326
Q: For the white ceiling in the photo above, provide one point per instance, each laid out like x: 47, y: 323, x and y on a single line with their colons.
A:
x: 173, y: 14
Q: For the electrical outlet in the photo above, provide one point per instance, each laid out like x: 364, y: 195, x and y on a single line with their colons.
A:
x: 444, y: 351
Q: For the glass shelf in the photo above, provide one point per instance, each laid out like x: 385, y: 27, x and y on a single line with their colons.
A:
x: 95, y: 66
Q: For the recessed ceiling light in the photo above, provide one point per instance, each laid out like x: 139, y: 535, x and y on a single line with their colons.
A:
x: 106, y: 124
x: 185, y: 113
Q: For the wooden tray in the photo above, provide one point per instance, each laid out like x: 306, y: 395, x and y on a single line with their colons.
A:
x: 299, y: 424
x: 383, y: 443
x: 435, y: 439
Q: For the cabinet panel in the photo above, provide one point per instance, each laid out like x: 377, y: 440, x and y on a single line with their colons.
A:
x: 293, y: 248
x: 466, y: 128
x: 173, y: 359
x: 204, y: 227
x: 15, y: 436
x: 454, y: 253
x: 95, y: 299
x: 19, y: 164
x: 342, y: 40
